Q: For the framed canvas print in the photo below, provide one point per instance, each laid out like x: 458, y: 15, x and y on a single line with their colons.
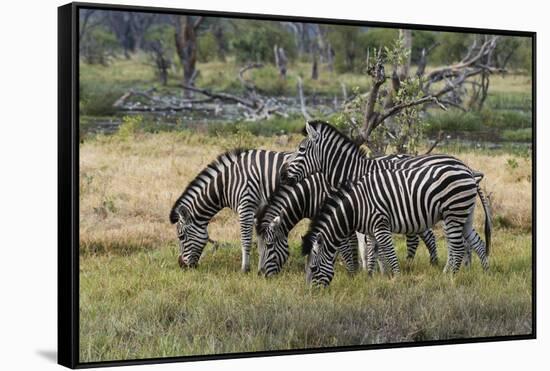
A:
x: 239, y: 185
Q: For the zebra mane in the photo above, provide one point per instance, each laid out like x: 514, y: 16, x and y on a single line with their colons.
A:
x: 265, y: 206
x: 230, y: 156
x: 331, y: 130
x: 329, y: 204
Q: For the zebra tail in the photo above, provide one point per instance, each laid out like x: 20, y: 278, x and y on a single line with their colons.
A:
x: 488, y: 219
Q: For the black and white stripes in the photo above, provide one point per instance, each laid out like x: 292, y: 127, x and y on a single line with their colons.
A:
x: 328, y: 151
x: 405, y: 201
x: 331, y: 180
x: 239, y: 180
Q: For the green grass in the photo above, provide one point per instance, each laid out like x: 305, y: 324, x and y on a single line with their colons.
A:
x: 142, y: 305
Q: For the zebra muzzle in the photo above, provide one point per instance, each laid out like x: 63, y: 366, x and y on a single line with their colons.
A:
x: 184, y: 264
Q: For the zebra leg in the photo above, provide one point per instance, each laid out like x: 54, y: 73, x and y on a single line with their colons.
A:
x: 387, y: 251
x: 455, y: 243
x: 372, y: 254
x: 467, y: 261
x: 429, y: 240
x: 246, y: 219
x: 261, y: 253
x: 476, y: 244
x: 348, y: 251
x: 412, y: 245
x: 362, y: 249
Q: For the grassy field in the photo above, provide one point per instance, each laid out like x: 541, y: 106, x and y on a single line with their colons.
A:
x: 135, y: 302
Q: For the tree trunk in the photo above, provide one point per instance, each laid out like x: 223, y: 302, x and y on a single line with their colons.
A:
x: 406, y: 35
x: 220, y: 41
x: 280, y: 60
x: 330, y: 58
x: 314, y: 66
x: 186, y: 46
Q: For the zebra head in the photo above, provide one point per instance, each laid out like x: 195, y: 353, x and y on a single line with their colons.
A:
x: 192, y: 236
x: 306, y: 160
x: 319, y: 263
x: 276, y: 248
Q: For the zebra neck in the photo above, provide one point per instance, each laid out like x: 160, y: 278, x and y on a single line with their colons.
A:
x: 203, y: 199
x: 344, y: 167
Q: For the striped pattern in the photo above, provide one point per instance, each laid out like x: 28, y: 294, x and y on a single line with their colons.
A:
x: 239, y: 180
x: 290, y: 204
x: 284, y: 210
x: 406, y: 201
x: 328, y: 151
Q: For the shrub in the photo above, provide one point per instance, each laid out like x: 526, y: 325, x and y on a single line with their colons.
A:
x: 254, y: 41
x: 519, y: 135
x: 129, y: 126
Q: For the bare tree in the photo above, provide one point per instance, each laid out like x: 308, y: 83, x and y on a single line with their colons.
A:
x: 130, y: 28
x: 395, y: 102
x: 280, y: 60
x: 315, y: 65
x: 186, y: 46
x: 161, y: 59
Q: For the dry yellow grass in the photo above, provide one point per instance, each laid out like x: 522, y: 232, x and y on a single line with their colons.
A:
x: 128, y: 186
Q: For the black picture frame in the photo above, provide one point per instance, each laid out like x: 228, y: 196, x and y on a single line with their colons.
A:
x: 68, y: 184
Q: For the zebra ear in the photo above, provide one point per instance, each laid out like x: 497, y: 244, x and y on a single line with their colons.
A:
x: 179, y: 214
x: 311, y: 132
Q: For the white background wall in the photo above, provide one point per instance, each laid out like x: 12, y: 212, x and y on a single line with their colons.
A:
x: 28, y: 249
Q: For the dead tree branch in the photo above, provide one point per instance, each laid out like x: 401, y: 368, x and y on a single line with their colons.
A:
x: 302, y: 100
x: 435, y: 143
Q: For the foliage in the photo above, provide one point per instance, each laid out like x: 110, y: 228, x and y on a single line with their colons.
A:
x: 207, y: 49
x: 452, y: 47
x: 402, y: 132
x: 514, y: 52
x: 345, y: 42
x: 130, y: 125
x: 274, y: 126
x: 518, y: 135
x: 407, y: 130
x: 96, y: 99
x: 98, y: 45
x: 159, y: 41
x: 376, y: 38
x: 253, y: 41
x: 421, y: 40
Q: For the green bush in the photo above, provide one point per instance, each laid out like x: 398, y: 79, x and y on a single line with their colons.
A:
x: 274, y: 126
x: 511, y: 101
x: 452, y: 120
x: 519, y: 135
x: 452, y: 47
x: 129, y: 126
x: 98, y: 45
x: 97, y: 99
x: 207, y: 49
x: 253, y: 41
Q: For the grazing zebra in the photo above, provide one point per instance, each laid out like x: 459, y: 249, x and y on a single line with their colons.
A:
x: 290, y: 204
x: 374, y: 207
x: 237, y: 179
x: 328, y: 151
x: 286, y: 207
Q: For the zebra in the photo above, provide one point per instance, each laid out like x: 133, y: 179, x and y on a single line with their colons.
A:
x: 238, y: 179
x: 286, y: 207
x: 328, y: 151
x: 373, y: 206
